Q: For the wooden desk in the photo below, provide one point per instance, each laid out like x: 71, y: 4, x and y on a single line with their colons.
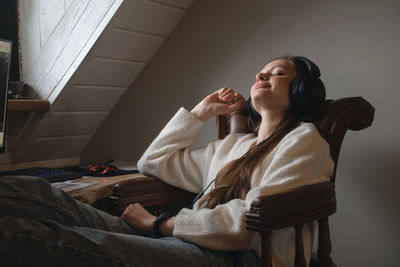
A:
x: 102, y: 189
x: 28, y: 105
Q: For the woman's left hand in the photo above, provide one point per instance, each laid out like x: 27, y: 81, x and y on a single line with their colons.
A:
x: 139, y: 218
x: 223, y: 101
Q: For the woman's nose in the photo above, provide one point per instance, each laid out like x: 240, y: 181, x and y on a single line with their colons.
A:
x: 263, y: 77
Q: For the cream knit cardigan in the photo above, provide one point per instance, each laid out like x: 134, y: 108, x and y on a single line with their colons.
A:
x: 301, y: 158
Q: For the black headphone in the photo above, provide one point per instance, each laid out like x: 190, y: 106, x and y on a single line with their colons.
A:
x: 306, y: 91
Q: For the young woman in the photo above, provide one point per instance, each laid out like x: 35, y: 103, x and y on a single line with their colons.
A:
x: 284, y: 152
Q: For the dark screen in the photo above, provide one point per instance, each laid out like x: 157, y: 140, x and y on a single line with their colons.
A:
x: 4, y: 69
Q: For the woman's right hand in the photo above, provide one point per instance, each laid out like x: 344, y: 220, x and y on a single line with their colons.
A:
x: 223, y: 101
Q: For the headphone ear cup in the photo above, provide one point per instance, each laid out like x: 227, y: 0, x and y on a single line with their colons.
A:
x: 295, y: 91
x: 307, y: 92
x: 252, y: 111
x: 314, y: 92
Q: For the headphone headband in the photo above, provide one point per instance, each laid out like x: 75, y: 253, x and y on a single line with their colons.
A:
x: 311, y: 67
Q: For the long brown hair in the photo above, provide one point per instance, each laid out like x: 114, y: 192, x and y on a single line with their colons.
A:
x: 233, y: 180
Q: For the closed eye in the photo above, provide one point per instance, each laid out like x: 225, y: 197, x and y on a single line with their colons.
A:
x: 278, y: 74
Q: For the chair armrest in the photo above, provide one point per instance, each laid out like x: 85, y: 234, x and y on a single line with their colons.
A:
x: 148, y: 191
x: 292, y: 208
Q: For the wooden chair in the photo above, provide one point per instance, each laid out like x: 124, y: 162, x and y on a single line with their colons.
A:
x: 267, y: 213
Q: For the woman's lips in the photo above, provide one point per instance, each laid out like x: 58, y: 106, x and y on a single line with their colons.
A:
x: 262, y: 85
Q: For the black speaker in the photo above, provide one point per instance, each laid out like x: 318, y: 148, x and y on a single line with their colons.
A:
x: 306, y: 91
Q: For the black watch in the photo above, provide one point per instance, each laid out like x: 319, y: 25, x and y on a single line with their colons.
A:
x: 158, y: 221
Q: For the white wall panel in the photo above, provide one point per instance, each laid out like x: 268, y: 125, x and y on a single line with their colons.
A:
x: 146, y: 16
x: 53, y: 148
x: 50, y: 13
x: 185, y: 4
x: 85, y: 98
x: 84, y: 83
x: 29, y: 34
x: 63, y: 49
x: 98, y: 71
x: 67, y: 3
x: 70, y: 123
x: 122, y: 44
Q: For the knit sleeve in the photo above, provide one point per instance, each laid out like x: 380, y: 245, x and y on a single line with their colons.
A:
x: 301, y: 158
x: 170, y: 157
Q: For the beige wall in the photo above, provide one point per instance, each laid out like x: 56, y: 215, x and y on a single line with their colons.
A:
x: 224, y: 43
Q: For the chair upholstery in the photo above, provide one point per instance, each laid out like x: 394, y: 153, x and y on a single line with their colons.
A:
x: 267, y: 213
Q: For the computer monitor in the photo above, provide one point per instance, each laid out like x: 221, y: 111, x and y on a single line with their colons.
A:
x: 5, y: 59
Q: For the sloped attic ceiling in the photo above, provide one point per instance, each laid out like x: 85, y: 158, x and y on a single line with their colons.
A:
x: 83, y: 94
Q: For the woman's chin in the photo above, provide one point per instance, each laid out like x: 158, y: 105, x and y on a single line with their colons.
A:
x: 259, y: 93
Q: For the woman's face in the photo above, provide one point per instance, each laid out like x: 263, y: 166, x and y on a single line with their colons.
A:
x: 271, y: 89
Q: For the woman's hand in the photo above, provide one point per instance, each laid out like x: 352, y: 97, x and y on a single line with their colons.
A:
x: 223, y: 101
x: 139, y: 218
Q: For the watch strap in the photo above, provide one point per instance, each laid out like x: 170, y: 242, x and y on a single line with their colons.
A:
x: 158, y: 221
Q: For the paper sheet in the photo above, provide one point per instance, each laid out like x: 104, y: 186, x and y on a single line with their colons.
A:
x: 69, y: 186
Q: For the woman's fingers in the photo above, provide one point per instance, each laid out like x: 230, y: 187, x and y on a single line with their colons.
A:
x: 227, y: 95
x: 227, y: 92
x: 227, y: 108
x: 239, y: 96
